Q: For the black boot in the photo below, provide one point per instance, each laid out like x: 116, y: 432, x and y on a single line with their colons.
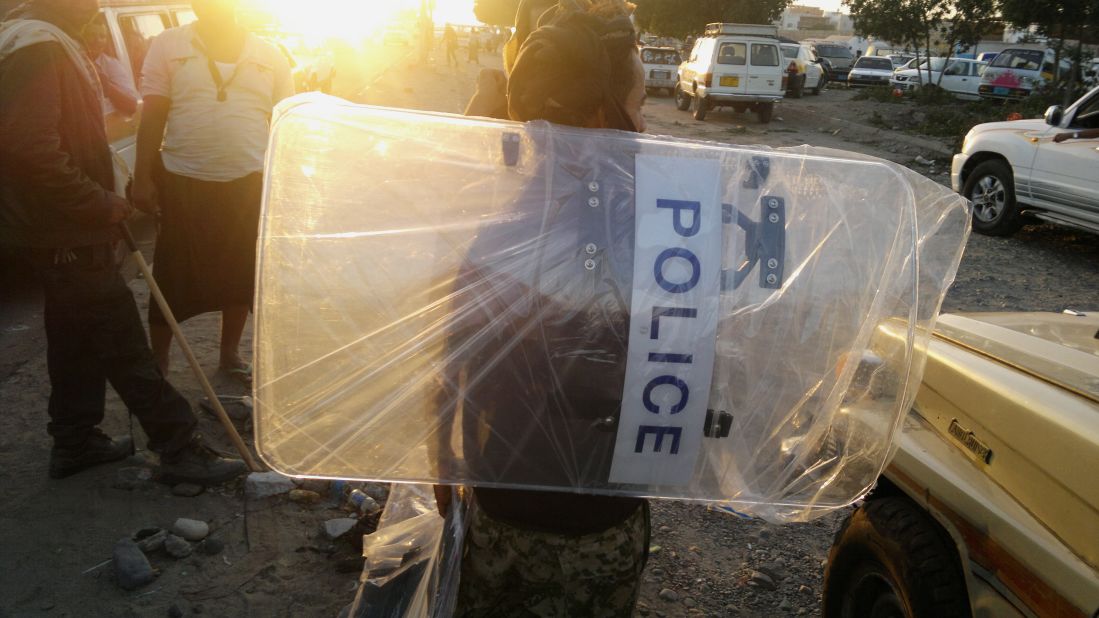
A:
x: 97, y: 449
x: 199, y: 464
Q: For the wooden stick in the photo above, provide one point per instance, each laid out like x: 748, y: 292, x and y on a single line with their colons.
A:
x: 195, y: 367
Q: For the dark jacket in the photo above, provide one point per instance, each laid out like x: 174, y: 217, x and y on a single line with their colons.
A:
x: 55, y: 163
x: 537, y: 348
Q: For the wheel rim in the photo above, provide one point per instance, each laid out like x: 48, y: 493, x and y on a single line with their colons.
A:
x: 873, y: 596
x: 989, y: 197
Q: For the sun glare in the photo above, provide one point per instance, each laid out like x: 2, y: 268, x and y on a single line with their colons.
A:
x: 354, y: 20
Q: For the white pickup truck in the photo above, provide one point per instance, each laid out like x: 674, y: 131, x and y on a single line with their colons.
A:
x: 1011, y: 170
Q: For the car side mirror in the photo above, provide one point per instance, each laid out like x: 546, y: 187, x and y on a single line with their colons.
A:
x: 1054, y: 114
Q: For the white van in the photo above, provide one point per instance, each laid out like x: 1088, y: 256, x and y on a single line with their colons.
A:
x: 733, y: 65
x: 131, y: 26
x: 660, y: 67
x: 1016, y: 72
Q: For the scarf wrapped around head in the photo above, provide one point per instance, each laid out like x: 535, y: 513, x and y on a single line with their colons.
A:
x: 566, y: 69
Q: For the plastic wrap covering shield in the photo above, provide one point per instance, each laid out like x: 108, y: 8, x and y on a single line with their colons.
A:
x: 457, y: 300
x: 413, y: 558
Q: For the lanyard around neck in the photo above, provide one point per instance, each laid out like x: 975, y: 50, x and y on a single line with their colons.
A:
x: 215, y: 73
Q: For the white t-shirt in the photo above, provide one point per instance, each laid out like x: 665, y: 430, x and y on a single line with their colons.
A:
x: 206, y: 138
x: 111, y: 69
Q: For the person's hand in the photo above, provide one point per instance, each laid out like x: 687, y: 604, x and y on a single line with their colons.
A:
x: 443, y: 498
x: 491, y: 96
x: 120, y: 209
x: 1060, y: 137
x: 143, y: 195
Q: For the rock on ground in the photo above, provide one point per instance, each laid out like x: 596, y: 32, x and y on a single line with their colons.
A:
x: 304, y: 496
x: 211, y: 547
x: 191, y: 529
x: 150, y: 539
x: 335, y: 528
x: 265, y: 484
x: 177, y: 547
x: 131, y: 568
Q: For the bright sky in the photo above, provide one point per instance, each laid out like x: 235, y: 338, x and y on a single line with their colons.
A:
x: 827, y: 5
x: 352, y: 19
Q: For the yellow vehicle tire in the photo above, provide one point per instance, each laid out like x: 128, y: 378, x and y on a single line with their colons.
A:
x: 889, y: 559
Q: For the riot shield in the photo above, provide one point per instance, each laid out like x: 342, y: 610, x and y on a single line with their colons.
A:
x: 460, y: 300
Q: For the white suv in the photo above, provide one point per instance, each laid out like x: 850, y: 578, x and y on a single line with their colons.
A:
x: 1012, y: 169
x: 737, y: 65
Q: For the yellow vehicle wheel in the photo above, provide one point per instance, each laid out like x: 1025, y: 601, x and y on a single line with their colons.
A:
x: 891, y: 560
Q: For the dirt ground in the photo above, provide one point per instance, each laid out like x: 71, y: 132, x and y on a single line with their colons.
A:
x: 56, y: 536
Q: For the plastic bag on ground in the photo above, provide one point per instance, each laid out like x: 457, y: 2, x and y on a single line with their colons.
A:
x: 413, y: 559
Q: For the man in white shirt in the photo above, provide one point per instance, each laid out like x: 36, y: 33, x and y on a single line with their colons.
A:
x: 118, y: 88
x: 212, y: 85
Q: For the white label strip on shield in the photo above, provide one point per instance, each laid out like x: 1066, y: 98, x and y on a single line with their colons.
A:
x: 673, y: 320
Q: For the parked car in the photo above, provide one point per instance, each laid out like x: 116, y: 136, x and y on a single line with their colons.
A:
x: 661, y: 64
x: 1091, y: 74
x: 900, y: 60
x: 1014, y: 169
x: 870, y: 71
x: 961, y: 76
x: 911, y: 64
x: 804, y: 71
x: 990, y: 506
x: 1016, y: 72
x: 837, y: 59
x: 987, y: 56
x: 733, y: 65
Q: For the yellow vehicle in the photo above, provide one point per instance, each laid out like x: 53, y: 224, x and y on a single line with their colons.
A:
x: 990, y: 506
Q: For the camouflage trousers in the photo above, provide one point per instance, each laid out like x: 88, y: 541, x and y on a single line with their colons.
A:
x: 509, y: 571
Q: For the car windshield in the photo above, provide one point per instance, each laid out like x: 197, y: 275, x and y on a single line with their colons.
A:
x: 660, y: 56
x: 833, y: 51
x: 1024, y: 59
x: 867, y: 62
x: 790, y: 51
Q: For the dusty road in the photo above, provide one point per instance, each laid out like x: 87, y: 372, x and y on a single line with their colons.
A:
x: 55, y: 536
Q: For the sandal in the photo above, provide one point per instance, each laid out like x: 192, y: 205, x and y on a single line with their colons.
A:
x: 240, y: 374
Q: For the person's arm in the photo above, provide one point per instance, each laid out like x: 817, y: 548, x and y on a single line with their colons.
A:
x: 118, y: 86
x: 123, y: 100
x: 30, y: 114
x: 156, y: 90
x: 1079, y: 134
x: 150, y: 134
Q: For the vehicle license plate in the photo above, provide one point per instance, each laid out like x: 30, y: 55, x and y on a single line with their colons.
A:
x: 661, y: 74
x: 999, y: 90
x: 730, y: 81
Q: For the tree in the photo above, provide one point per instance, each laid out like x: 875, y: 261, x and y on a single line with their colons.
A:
x: 911, y: 22
x: 679, y: 18
x: 969, y: 21
x: 1058, y: 20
